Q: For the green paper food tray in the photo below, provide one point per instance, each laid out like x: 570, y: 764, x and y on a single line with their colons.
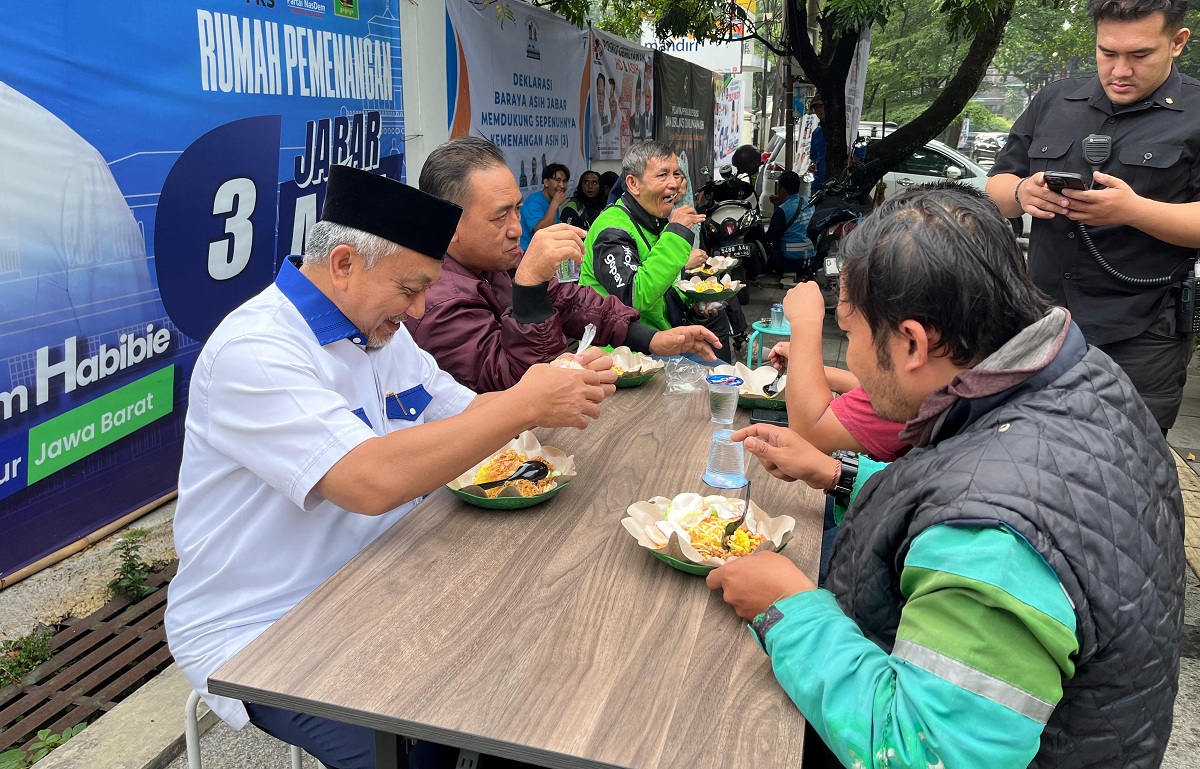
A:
x: 762, y: 402
x: 688, y: 566
x: 636, y: 381
x: 708, y: 296
x: 508, y: 503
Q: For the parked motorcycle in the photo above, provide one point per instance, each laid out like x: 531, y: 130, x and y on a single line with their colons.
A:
x: 733, y: 226
x: 839, y: 206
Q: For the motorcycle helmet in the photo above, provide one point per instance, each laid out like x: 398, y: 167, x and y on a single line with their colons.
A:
x: 747, y: 159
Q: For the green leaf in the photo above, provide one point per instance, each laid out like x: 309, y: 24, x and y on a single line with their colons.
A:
x: 13, y: 759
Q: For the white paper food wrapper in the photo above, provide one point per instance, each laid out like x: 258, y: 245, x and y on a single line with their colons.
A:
x: 754, y: 381
x: 525, y: 443
x: 717, y: 264
x: 643, y: 518
x: 691, y: 284
x: 634, y: 363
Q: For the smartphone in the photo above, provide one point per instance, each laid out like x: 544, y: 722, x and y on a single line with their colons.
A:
x: 1062, y: 180
x: 769, y: 417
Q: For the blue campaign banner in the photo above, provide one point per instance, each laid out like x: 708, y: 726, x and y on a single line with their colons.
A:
x: 158, y: 164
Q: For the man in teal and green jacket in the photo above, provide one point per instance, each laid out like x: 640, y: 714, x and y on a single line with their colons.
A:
x: 1010, y: 592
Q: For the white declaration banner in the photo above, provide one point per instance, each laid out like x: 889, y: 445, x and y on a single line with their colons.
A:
x: 727, y: 123
x: 622, y: 88
x: 519, y: 79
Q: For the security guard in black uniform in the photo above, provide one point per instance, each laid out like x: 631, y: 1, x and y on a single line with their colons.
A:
x: 1115, y: 245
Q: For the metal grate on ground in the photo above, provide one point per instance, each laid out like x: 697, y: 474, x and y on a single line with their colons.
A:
x: 96, y: 662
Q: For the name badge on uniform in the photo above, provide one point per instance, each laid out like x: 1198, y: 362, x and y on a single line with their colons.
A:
x: 408, y: 405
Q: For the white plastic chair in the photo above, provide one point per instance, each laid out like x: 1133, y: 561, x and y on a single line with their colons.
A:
x: 191, y: 736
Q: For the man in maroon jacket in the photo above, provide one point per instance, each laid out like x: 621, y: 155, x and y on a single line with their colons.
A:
x: 485, y: 323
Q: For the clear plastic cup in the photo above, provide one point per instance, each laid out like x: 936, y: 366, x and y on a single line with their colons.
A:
x: 726, y: 467
x: 723, y: 397
x: 777, y: 318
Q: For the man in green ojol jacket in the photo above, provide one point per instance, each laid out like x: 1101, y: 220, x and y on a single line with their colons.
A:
x: 637, y: 247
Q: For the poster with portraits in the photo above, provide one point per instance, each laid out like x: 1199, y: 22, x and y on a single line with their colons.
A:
x: 518, y: 82
x: 727, y: 122
x: 622, y: 95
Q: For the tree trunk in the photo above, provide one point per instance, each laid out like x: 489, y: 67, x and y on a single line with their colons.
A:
x: 828, y: 71
x: 889, y: 151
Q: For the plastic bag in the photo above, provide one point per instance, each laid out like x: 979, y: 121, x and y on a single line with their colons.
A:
x: 684, y: 376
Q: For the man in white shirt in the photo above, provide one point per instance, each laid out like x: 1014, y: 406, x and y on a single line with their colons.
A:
x: 315, y: 422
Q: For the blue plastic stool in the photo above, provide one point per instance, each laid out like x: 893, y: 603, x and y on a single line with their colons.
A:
x: 763, y: 328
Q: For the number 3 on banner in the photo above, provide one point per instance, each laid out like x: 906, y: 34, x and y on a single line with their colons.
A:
x: 214, y: 238
x: 229, y: 256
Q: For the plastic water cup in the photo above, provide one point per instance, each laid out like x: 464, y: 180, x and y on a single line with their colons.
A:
x: 722, y: 397
x: 726, y: 462
x: 777, y: 319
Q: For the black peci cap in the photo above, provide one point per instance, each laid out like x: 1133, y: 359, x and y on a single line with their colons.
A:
x: 389, y: 209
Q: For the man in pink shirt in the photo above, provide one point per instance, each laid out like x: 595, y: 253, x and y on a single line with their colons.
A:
x: 847, y: 422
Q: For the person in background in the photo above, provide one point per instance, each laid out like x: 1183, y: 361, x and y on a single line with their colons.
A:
x: 847, y: 422
x: 1141, y: 209
x: 816, y: 152
x: 1010, y: 593
x: 616, y: 191
x: 607, y: 180
x: 540, y: 208
x: 314, y: 424
x: 787, y: 236
x: 496, y: 312
x: 582, y: 208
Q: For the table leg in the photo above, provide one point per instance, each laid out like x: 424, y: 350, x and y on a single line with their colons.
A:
x: 390, y: 751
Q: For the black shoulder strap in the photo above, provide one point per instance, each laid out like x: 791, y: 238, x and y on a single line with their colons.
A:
x: 638, y: 227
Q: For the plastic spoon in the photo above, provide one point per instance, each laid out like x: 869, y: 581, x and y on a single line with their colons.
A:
x: 533, y: 470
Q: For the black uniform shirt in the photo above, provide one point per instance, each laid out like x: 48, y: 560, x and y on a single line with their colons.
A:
x: 1155, y: 150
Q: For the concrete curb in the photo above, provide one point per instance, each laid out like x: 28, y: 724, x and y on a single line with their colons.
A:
x: 144, y: 731
x: 1189, y: 484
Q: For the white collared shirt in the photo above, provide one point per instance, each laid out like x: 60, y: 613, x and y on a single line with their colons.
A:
x: 271, y: 410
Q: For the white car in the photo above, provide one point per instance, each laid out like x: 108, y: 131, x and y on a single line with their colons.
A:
x: 937, y: 162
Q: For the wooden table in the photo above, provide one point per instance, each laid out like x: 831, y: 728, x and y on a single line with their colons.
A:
x: 546, y: 635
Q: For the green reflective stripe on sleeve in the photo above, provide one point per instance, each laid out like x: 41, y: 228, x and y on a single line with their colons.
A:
x: 974, y: 681
x: 997, y: 556
x: 987, y: 629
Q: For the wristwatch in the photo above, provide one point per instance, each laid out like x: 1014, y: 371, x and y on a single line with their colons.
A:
x: 840, y: 491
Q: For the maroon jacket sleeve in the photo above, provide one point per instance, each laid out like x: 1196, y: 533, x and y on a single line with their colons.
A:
x: 578, y: 306
x: 482, y: 351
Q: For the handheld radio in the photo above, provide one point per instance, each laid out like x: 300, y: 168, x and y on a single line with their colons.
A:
x: 1096, y: 150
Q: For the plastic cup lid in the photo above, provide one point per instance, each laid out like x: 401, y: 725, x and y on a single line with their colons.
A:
x: 725, y: 379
